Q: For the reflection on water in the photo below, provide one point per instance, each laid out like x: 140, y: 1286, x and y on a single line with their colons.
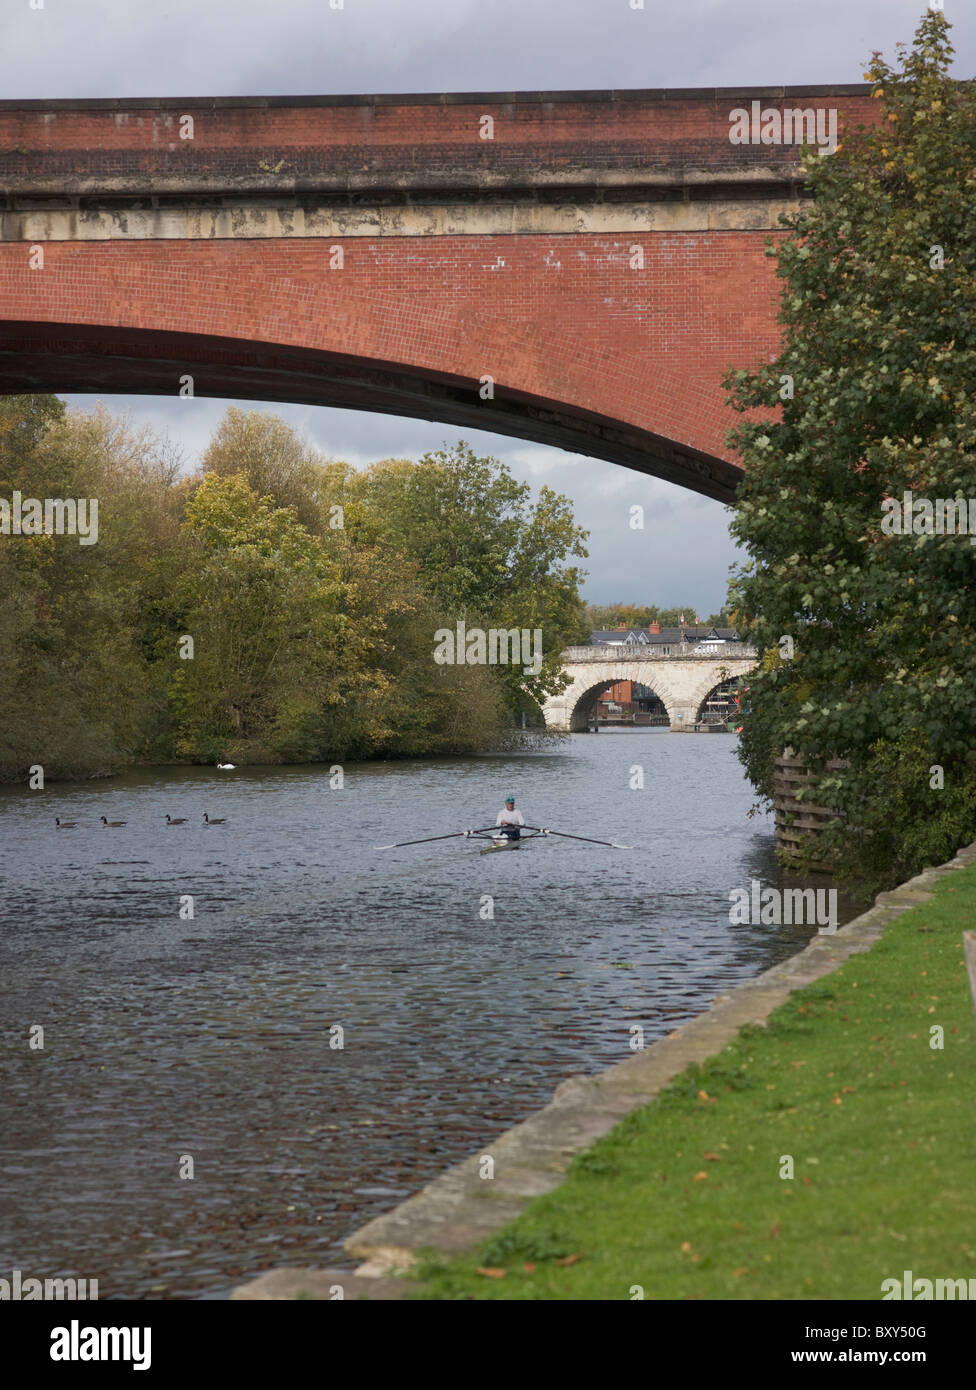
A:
x: 214, y: 1038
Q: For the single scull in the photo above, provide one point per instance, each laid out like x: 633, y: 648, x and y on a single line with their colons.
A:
x: 491, y: 832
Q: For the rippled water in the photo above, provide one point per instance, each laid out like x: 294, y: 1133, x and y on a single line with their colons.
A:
x: 211, y: 1037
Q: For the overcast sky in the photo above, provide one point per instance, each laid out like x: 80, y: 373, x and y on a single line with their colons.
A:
x: 155, y: 48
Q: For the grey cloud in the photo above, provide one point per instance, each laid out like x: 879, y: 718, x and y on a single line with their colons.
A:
x: 252, y: 47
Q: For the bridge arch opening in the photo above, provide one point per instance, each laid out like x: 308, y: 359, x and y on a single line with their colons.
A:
x: 720, y: 705
x: 583, y: 713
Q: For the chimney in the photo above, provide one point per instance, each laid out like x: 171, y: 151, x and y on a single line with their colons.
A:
x: 621, y: 627
x: 654, y: 628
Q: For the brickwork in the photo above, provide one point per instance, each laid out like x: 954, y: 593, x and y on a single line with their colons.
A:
x: 586, y: 350
x: 383, y: 136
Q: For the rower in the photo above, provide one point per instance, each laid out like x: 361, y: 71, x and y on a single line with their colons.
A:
x: 510, y: 820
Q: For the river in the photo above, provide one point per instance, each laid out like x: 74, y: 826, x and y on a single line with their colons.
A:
x: 213, y: 1038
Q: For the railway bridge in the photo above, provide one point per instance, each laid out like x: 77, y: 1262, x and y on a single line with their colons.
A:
x: 577, y: 269
x: 683, y: 679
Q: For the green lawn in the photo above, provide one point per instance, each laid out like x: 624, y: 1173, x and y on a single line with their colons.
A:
x: 685, y: 1198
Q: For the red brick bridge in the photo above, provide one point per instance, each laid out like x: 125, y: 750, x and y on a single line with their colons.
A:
x: 574, y: 268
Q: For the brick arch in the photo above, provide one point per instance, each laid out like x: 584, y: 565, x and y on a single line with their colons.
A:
x: 114, y: 358
x: 584, y: 357
x: 601, y: 257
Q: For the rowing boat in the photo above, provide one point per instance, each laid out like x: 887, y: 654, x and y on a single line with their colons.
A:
x: 535, y: 832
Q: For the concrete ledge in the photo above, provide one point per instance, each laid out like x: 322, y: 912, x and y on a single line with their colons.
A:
x: 247, y: 219
x: 702, y: 94
x: 332, y: 1285
x: 460, y: 1208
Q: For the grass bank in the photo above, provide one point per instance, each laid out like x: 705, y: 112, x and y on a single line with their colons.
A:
x: 691, y: 1195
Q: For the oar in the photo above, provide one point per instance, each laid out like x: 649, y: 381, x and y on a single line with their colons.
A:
x: 429, y: 839
x: 609, y: 844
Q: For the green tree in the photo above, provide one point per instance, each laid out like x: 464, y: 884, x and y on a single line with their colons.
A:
x: 312, y: 639
x: 276, y: 462
x: 306, y: 647
x: 75, y: 694
x: 880, y: 349
x: 631, y: 615
x: 261, y: 601
x: 486, y: 554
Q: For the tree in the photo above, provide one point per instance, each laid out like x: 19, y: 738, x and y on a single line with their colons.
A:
x: 306, y: 647
x: 880, y: 351
x: 485, y: 554
x: 309, y: 641
x: 275, y: 460
x: 606, y: 616
x: 262, y: 602
x: 75, y: 695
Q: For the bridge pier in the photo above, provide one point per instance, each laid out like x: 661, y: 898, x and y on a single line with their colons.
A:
x: 557, y: 715
x: 683, y: 719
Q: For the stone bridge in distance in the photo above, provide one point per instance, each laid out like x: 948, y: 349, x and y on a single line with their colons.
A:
x: 682, y: 680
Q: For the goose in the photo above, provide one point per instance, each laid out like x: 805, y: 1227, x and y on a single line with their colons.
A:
x: 226, y: 767
x: 180, y: 820
x: 219, y: 821
x: 112, y: 822
x: 65, y: 824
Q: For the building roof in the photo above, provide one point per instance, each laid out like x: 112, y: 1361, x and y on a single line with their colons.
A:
x: 668, y: 636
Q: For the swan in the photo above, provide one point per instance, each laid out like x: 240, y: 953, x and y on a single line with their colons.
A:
x: 226, y: 767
